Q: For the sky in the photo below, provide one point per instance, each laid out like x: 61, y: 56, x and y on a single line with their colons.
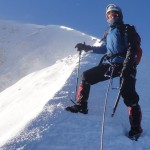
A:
x: 87, y: 16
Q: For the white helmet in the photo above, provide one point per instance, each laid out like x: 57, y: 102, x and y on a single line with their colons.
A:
x: 113, y: 7
x: 119, y: 19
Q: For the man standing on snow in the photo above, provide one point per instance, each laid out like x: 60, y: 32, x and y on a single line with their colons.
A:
x: 121, y: 51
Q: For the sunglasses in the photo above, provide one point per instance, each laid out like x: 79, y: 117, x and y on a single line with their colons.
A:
x: 112, y: 14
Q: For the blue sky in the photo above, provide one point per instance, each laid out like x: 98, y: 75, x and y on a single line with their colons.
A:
x: 87, y: 16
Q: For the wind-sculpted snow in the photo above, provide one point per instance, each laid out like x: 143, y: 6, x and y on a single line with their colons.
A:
x: 25, y: 48
x: 32, y: 111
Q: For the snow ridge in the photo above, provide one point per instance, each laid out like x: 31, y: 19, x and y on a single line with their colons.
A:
x: 38, y: 75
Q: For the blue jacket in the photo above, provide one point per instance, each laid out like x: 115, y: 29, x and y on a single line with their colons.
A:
x: 113, y: 44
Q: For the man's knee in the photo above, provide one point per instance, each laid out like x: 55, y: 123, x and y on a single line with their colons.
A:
x: 129, y: 102
x: 83, y: 76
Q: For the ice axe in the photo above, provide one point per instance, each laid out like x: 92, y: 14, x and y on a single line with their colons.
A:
x: 118, y: 98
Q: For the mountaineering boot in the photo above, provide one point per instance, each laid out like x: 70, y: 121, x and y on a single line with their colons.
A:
x: 135, y: 117
x: 135, y: 133
x: 82, y: 96
x: 79, y: 107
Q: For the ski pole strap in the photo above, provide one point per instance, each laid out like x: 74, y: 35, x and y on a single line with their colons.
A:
x: 118, y: 98
x: 80, y: 53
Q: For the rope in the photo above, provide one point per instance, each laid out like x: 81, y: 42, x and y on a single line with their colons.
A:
x: 104, y: 111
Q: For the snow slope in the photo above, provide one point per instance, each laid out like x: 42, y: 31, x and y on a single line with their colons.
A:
x: 38, y: 76
x: 29, y: 48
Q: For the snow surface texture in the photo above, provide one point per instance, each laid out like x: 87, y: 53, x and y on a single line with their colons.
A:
x: 38, y: 77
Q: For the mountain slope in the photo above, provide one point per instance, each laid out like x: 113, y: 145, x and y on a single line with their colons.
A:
x: 57, y: 129
x: 26, y: 51
x: 25, y: 48
x: 33, y: 115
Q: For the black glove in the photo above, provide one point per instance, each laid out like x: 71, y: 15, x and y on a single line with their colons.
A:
x: 84, y: 47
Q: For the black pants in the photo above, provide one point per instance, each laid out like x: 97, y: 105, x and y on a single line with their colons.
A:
x: 97, y: 74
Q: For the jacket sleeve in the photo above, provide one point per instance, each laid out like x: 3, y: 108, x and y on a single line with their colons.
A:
x: 132, y: 49
x: 99, y: 49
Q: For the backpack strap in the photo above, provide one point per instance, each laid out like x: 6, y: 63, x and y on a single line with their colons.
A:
x: 104, y: 35
x: 130, y: 32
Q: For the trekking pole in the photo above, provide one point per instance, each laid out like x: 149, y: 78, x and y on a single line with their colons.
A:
x: 105, y: 104
x: 77, y: 78
x: 117, y: 99
x: 78, y: 69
